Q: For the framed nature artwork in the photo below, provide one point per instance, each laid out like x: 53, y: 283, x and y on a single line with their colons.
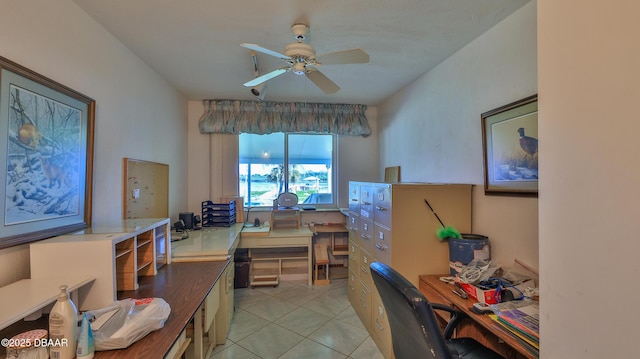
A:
x: 46, y: 137
x: 510, y: 148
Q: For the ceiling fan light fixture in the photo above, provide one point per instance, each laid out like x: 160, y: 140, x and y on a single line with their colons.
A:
x: 299, y: 31
x: 300, y: 50
x: 299, y: 68
x: 300, y: 58
x: 259, y: 91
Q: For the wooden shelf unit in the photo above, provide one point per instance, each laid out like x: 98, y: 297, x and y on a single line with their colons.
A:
x: 125, y: 257
x: 116, y: 255
x: 272, y: 250
x: 288, y: 264
x: 285, y: 218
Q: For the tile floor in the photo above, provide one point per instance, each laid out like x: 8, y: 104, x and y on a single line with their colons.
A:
x: 295, y: 321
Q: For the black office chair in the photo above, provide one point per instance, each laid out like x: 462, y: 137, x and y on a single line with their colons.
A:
x: 415, y: 332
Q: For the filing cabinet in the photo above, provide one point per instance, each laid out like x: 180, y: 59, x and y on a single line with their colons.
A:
x: 391, y: 223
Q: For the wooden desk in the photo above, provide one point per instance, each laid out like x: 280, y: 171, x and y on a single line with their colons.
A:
x: 336, y: 249
x: 480, y: 327
x: 289, y: 250
x: 183, y: 286
x: 207, y: 244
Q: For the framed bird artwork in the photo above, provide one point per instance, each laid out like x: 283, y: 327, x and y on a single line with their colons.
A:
x: 510, y: 148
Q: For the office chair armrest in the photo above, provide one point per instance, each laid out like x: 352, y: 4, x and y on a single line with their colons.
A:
x: 456, y: 317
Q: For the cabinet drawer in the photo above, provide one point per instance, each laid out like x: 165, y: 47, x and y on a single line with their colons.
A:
x: 354, y: 255
x: 382, y: 244
x: 353, y: 287
x: 354, y: 224
x: 354, y: 197
x: 366, y: 235
x: 365, y: 271
x: 363, y: 305
x: 366, y: 202
x: 382, y: 205
x: 282, y: 241
x: 179, y: 347
x: 380, y: 326
x: 211, y: 305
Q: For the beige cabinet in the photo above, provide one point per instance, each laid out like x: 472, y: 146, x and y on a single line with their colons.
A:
x: 225, y: 312
x: 391, y: 223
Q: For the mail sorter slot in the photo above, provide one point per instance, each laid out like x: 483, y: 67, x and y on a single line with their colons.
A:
x: 212, y: 213
x: 210, y: 206
x: 226, y: 221
x: 218, y: 214
x: 220, y: 219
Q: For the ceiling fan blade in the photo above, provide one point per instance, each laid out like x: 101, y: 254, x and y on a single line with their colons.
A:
x: 263, y: 50
x: 268, y: 76
x: 322, y: 81
x: 355, y: 56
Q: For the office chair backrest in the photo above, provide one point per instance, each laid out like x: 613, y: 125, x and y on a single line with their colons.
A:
x: 415, y: 332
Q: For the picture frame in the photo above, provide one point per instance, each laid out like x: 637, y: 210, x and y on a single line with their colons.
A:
x: 47, y: 137
x: 392, y: 174
x: 510, y: 148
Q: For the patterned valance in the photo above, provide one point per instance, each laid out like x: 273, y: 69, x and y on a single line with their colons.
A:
x: 264, y: 117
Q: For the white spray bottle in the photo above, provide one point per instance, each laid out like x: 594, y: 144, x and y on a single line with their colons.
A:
x: 63, y: 324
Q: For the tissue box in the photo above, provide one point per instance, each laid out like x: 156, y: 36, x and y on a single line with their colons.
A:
x: 487, y: 296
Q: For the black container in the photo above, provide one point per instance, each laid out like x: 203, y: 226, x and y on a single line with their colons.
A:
x: 242, y: 263
x: 241, y: 279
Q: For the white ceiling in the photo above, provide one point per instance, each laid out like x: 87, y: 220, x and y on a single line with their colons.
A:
x: 195, y: 44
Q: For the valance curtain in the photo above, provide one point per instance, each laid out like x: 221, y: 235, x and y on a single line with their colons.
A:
x: 264, y: 117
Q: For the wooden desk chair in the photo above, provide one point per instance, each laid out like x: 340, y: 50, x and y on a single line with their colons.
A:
x: 333, y: 248
x: 415, y: 332
x: 320, y: 258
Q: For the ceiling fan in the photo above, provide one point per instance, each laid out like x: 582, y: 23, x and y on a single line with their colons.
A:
x: 302, y: 60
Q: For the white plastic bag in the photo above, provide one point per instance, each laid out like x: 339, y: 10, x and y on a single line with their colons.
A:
x: 127, y: 321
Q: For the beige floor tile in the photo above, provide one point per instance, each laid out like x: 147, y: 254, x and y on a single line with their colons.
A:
x: 327, y: 304
x: 295, y: 321
x: 367, y: 350
x: 244, y: 324
x: 339, y: 336
x: 233, y: 351
x: 308, y: 349
x: 271, y: 341
x: 303, y: 321
x: 271, y: 308
x: 350, y: 316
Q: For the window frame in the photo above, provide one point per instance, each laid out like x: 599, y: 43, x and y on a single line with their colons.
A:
x: 333, y: 172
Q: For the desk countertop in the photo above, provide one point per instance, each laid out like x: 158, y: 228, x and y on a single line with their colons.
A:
x: 214, y: 243
x: 219, y: 243
x: 127, y: 226
x: 291, y: 232
x: 183, y: 286
x: 432, y: 282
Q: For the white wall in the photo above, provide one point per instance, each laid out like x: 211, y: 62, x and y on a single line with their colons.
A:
x: 213, y: 161
x: 138, y: 114
x: 432, y: 128
x: 589, y: 53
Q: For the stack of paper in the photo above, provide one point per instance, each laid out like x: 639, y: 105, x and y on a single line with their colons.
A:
x: 523, y: 323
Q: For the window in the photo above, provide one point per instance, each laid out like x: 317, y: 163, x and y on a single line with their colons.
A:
x: 279, y: 162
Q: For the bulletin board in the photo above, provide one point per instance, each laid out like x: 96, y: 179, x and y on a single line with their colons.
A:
x: 146, y: 189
